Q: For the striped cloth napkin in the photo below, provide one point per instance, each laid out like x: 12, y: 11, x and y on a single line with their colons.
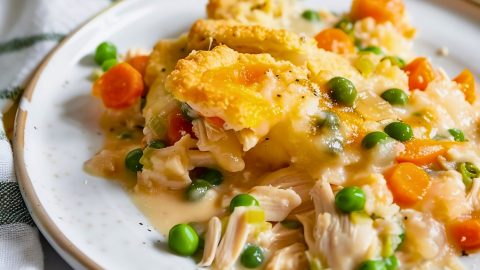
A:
x: 29, y: 29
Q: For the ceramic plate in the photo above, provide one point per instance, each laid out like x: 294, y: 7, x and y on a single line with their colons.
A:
x: 91, y: 221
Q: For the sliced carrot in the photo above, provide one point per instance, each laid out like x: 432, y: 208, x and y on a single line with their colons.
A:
x: 467, y: 84
x: 380, y: 10
x: 178, y: 126
x: 139, y: 63
x: 408, y: 183
x: 119, y: 87
x: 216, y: 121
x: 465, y: 233
x: 420, y: 73
x: 423, y: 152
x: 335, y: 40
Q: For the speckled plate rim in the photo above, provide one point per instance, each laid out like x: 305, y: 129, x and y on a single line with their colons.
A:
x: 71, y: 253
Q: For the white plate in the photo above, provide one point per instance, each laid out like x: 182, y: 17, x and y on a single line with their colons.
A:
x: 91, y: 221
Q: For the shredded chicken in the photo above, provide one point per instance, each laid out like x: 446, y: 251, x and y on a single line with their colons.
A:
x: 299, y: 181
x: 473, y: 197
x: 291, y: 257
x: 212, y: 238
x: 222, y: 144
x: 279, y: 237
x: 169, y: 166
x: 308, y: 221
x: 424, y: 237
x: 233, y: 240
x: 335, y: 236
x: 277, y: 203
x: 201, y: 159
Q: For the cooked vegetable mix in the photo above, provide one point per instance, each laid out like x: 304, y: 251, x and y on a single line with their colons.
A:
x: 252, y: 256
x: 278, y: 137
x: 457, y: 134
x: 132, y: 160
x: 197, y: 190
x: 311, y: 15
x: 399, y: 131
x: 374, y: 138
x: 350, y: 199
x: 243, y: 200
x: 183, y: 239
x: 395, y: 96
x: 105, y: 51
x: 342, y: 91
x: 373, y: 49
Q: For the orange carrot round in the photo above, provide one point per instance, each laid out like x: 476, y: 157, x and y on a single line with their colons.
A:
x: 465, y: 233
x: 335, y: 40
x: 380, y: 10
x: 119, y: 87
x: 139, y: 63
x: 420, y: 73
x: 408, y: 183
x: 423, y: 152
x: 466, y: 82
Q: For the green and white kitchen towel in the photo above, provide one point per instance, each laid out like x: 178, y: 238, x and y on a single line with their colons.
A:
x: 29, y: 29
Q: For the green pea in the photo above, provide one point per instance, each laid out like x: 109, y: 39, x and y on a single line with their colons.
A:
x: 395, y: 96
x: 243, y: 200
x: 345, y: 25
x: 468, y: 171
x: 342, y: 91
x: 373, y: 49
x: 373, y: 265
x: 183, y: 239
x: 291, y: 224
x: 132, y: 160
x: 107, y: 64
x: 311, y: 15
x: 330, y: 121
x: 396, y: 61
x: 391, y: 262
x: 373, y: 138
x: 197, y: 190
x: 252, y: 257
x: 350, y: 199
x: 399, y: 131
x: 212, y: 176
x: 105, y: 51
x: 157, y: 144
x: 457, y: 134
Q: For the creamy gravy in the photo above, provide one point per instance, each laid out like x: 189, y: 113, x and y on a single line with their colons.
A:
x: 165, y: 208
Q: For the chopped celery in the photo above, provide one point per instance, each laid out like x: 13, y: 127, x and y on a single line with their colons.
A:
x: 315, y: 264
x: 158, y: 125
x: 364, y: 65
x: 145, y: 159
x: 255, y: 215
x: 188, y: 112
x: 360, y: 217
x: 387, y: 249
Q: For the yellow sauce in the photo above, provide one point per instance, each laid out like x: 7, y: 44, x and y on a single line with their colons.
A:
x: 166, y: 208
